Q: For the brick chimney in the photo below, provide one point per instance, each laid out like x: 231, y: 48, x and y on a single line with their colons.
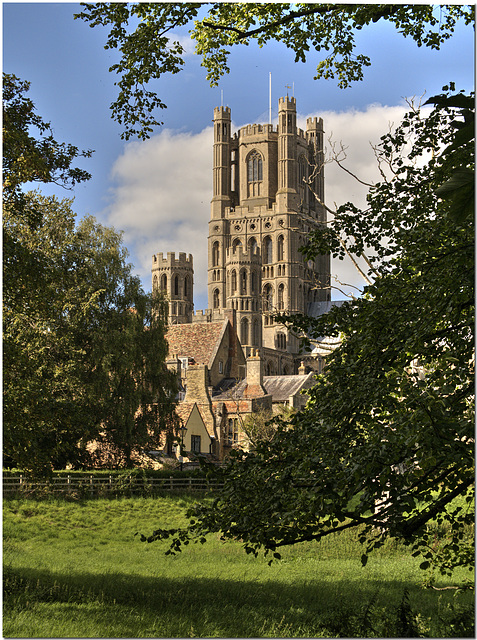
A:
x: 254, y: 386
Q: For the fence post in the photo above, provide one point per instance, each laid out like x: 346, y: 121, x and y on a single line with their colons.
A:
x: 91, y: 485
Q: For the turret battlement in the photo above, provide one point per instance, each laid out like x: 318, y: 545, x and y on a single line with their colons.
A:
x: 170, y: 261
x: 221, y: 112
x: 314, y: 123
x: 286, y: 101
x: 257, y: 129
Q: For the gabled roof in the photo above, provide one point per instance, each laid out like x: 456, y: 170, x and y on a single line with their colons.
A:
x: 282, y: 387
x: 184, y: 410
x: 279, y: 387
x: 198, y: 340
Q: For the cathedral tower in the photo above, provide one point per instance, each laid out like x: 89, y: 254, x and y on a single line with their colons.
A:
x: 268, y: 187
x: 175, y: 277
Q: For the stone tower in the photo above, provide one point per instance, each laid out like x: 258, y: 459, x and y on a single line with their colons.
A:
x: 175, y: 277
x: 262, y: 210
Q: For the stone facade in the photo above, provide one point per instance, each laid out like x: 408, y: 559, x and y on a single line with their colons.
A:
x: 261, y: 212
x: 234, y: 359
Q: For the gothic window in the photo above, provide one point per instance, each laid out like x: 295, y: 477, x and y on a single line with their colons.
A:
x: 164, y: 282
x: 244, y: 331
x: 186, y: 286
x: 154, y: 283
x: 267, y: 251
x: 280, y: 244
x: 215, y: 254
x: 216, y: 299
x: 302, y: 173
x: 253, y: 282
x: 268, y: 297
x: 252, y: 246
x: 256, y: 333
x: 243, y: 283
x: 281, y: 291
x: 281, y: 341
x: 254, y: 167
x: 236, y: 243
x: 176, y: 285
x: 233, y: 280
x: 254, y: 174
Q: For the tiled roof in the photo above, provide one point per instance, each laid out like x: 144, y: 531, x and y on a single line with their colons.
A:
x: 282, y: 387
x: 279, y: 387
x: 198, y: 341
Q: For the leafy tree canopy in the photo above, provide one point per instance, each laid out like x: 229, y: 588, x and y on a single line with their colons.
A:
x: 84, y: 346
x: 143, y: 33
x: 30, y: 152
x: 386, y: 441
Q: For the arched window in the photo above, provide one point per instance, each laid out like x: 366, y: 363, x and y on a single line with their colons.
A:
x: 244, y: 331
x: 254, y: 167
x: 236, y: 243
x: 186, y: 286
x: 215, y: 254
x: 268, y: 297
x: 267, y: 257
x: 243, y: 282
x: 252, y: 246
x: 234, y: 282
x: 176, y: 285
x: 154, y: 283
x: 253, y: 282
x: 254, y: 174
x: 280, y: 297
x: 256, y: 333
x: 302, y: 173
x: 280, y: 244
x: 216, y: 299
x: 164, y: 282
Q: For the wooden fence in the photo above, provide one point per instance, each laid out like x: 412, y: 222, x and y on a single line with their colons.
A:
x: 97, y: 486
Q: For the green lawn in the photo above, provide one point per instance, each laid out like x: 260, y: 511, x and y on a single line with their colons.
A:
x: 76, y: 570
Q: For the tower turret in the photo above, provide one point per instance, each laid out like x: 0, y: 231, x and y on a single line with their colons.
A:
x: 287, y: 197
x: 222, y: 162
x: 175, y: 277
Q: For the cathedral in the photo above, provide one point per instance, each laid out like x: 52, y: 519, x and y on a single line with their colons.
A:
x: 265, y: 180
x: 234, y: 359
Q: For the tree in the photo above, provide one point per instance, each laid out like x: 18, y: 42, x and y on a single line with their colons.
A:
x: 386, y: 442
x: 84, y: 346
x: 27, y: 158
x: 144, y: 35
x: 262, y: 425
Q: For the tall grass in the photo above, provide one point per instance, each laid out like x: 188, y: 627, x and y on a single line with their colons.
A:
x: 77, y: 570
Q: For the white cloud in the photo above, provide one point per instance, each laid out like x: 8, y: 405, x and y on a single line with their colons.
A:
x: 161, y: 199
x: 162, y: 189
x: 185, y: 41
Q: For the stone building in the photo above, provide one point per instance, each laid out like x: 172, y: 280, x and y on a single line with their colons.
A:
x: 268, y: 186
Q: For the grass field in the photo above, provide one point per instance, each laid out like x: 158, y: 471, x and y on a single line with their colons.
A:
x: 75, y: 569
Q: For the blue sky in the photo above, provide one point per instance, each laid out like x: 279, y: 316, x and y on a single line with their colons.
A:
x: 138, y: 187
